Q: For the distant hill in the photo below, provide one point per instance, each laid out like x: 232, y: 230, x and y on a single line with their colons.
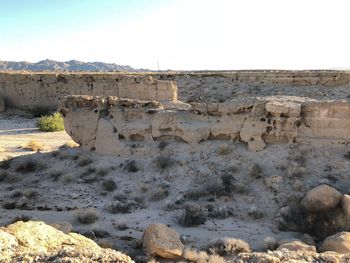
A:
x: 72, y: 65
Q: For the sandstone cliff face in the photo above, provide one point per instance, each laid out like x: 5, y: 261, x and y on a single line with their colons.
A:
x: 107, y: 124
x: 45, y: 90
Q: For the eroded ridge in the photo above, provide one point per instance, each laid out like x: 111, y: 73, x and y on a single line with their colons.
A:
x: 107, y: 123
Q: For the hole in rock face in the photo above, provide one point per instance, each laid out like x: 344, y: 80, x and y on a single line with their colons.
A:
x: 96, y: 110
x: 136, y: 137
x: 298, y: 123
x: 169, y: 138
x: 284, y: 115
x: 251, y: 139
x: 268, y: 129
x: 222, y: 137
x: 121, y: 137
x: 263, y: 119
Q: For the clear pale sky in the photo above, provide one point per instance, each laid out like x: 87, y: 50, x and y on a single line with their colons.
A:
x: 180, y: 34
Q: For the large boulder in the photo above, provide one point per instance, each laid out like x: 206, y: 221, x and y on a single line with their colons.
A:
x: 321, y: 199
x: 160, y: 240
x: 37, y: 242
x: 339, y: 243
x: 297, y: 246
x: 2, y: 105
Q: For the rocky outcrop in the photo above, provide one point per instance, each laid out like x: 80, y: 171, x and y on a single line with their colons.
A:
x: 34, y: 241
x: 28, y: 90
x: 321, y: 199
x: 297, y: 246
x: 339, y: 243
x: 45, y: 90
x: 160, y: 240
x: 107, y: 124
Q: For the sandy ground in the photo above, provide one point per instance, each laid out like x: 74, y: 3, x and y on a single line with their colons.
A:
x: 17, y: 129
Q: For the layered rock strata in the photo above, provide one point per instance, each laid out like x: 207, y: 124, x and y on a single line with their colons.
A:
x: 107, y: 123
x: 45, y: 90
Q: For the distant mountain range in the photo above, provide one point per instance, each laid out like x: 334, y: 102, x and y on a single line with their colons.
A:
x: 72, y: 65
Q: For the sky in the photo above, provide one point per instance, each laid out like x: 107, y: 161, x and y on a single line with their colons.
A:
x: 180, y: 34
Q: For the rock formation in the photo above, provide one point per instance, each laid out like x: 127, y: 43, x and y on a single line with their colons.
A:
x: 45, y: 90
x: 34, y: 241
x: 30, y: 90
x: 107, y: 123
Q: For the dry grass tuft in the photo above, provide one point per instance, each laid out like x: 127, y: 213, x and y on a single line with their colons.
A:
x: 228, y: 246
x: 201, y: 257
x: 34, y: 146
x: 87, y: 216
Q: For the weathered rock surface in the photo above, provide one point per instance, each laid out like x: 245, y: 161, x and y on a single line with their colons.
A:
x: 107, y: 123
x: 297, y: 246
x: 321, y: 199
x: 339, y: 243
x: 287, y: 256
x: 46, y: 90
x: 345, y: 204
x: 160, y: 240
x: 2, y: 105
x: 34, y: 241
x: 27, y: 90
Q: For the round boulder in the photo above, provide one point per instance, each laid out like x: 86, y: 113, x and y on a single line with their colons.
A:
x: 160, y: 240
x: 339, y: 243
x: 321, y: 199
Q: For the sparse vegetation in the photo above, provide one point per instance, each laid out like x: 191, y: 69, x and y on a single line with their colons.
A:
x: 201, y: 257
x: 109, y: 185
x: 193, y: 215
x: 34, y: 146
x: 6, y: 164
x: 87, y: 216
x: 84, y: 162
x: 228, y: 246
x: 164, y: 162
x: 31, y: 193
x: 51, y: 123
x: 131, y: 166
x: 159, y: 193
x: 256, y: 171
x: 30, y: 166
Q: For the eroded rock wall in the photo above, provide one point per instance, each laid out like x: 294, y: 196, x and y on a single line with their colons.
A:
x: 107, y: 124
x: 45, y: 90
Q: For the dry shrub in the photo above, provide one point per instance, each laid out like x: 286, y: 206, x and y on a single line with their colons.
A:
x: 109, y: 185
x: 228, y: 246
x: 87, y: 216
x: 193, y: 215
x: 30, y: 166
x: 201, y: 257
x: 34, y: 146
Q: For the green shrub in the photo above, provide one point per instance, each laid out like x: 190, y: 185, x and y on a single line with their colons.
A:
x: 51, y: 123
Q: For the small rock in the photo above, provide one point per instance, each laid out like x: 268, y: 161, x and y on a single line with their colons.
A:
x: 297, y: 246
x: 321, y: 199
x: 160, y: 240
x: 339, y: 243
